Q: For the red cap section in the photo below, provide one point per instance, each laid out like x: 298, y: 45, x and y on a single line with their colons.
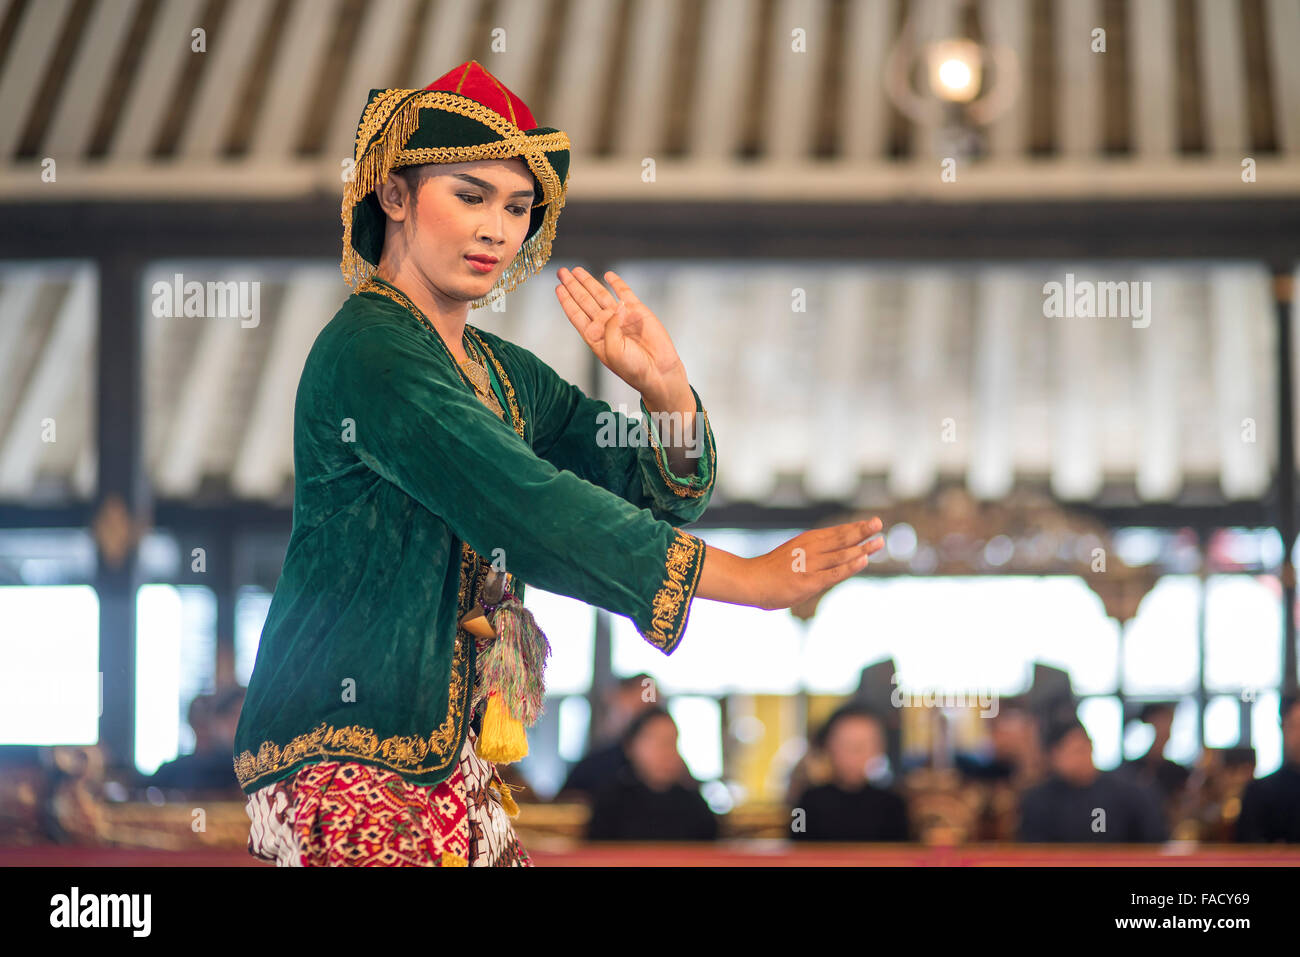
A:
x: 470, y: 79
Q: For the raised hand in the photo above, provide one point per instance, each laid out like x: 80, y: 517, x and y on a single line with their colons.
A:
x: 625, y: 335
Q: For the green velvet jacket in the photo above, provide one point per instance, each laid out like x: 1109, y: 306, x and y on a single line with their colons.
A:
x: 405, y: 484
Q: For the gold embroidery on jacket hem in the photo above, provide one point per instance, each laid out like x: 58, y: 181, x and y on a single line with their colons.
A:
x: 402, y: 753
x: 682, y: 569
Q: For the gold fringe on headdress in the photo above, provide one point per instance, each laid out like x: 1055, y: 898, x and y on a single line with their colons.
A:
x: 397, y: 113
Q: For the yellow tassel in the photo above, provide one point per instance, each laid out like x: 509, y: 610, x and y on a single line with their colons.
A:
x: 503, y: 739
x: 507, y: 799
x: 453, y: 860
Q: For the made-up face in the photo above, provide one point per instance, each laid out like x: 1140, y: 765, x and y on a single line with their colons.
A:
x: 466, y: 223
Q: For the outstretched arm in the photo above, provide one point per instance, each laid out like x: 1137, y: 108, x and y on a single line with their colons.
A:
x: 418, y: 428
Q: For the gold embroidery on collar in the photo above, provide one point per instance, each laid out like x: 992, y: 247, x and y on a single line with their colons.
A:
x: 515, y: 414
x: 394, y: 294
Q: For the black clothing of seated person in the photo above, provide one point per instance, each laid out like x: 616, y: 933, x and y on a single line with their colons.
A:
x: 1079, y: 804
x: 1270, y: 806
x: 849, y: 807
x: 653, y: 798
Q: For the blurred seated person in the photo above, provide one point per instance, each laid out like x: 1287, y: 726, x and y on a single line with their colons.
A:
x: 623, y: 702
x: 1079, y: 804
x: 1153, y: 770
x: 850, y: 807
x: 211, y: 766
x: 1015, y: 753
x: 652, y: 798
x: 1270, y: 806
x: 994, y: 780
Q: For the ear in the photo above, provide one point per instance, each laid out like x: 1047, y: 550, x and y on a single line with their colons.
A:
x: 394, y: 197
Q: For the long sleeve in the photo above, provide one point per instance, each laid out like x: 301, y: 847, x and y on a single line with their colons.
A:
x: 586, y: 436
x: 418, y: 427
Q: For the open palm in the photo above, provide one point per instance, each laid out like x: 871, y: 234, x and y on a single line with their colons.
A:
x: 626, y: 336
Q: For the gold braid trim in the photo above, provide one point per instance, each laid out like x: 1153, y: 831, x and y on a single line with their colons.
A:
x: 401, y: 753
x: 682, y: 568
x: 690, y: 491
x: 393, y: 116
x: 515, y: 414
x: 382, y: 288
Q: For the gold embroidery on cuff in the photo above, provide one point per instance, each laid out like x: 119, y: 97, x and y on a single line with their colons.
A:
x: 676, y: 485
x: 671, y: 602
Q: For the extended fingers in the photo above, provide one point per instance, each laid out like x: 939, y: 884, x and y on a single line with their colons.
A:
x: 852, y: 554
x: 845, y: 545
x: 624, y: 291
x: 588, y: 290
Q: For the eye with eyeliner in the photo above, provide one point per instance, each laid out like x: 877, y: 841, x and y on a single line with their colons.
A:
x: 523, y: 210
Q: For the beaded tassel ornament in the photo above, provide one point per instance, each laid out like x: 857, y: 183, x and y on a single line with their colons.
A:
x: 512, y: 653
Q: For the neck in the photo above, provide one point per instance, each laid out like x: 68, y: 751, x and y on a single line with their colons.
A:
x: 448, y: 316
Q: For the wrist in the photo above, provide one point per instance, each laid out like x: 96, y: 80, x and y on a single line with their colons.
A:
x: 672, y: 396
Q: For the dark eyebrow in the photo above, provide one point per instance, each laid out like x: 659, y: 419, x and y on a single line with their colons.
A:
x: 488, y: 186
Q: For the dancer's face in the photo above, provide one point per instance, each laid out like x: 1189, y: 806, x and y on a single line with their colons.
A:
x: 459, y: 210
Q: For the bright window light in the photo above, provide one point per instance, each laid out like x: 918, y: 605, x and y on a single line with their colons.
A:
x: 50, y: 684
x: 570, y: 627
x: 1243, y: 633
x: 699, y: 735
x: 250, y: 617
x: 175, y: 661
x: 1102, y: 717
x: 1160, y: 643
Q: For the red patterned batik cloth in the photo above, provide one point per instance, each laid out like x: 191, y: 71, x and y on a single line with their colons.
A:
x: 349, y: 814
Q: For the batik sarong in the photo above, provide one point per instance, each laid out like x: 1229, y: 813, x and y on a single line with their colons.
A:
x: 349, y: 814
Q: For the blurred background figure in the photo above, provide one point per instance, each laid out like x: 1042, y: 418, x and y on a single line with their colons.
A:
x: 628, y: 698
x: 995, y: 778
x: 1079, y: 804
x: 209, y: 767
x: 1153, y: 771
x: 1270, y: 806
x: 850, y: 807
x: 653, y: 797
x: 1014, y: 754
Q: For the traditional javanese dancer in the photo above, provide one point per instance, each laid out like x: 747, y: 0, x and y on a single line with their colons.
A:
x: 437, y: 467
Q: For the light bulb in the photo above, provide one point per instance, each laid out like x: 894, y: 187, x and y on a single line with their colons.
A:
x: 954, y: 67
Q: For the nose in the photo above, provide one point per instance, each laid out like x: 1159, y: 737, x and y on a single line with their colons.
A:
x: 492, y: 228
